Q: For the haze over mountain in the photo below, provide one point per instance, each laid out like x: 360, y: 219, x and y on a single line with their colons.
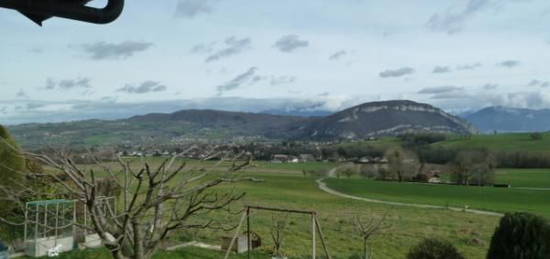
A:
x: 503, y: 119
x: 362, y: 121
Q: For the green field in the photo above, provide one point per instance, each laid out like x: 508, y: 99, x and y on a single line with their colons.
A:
x: 284, y: 186
x: 511, y: 142
x: 484, y: 198
x: 530, y: 178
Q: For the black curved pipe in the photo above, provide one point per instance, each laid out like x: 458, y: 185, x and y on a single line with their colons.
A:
x: 72, y: 10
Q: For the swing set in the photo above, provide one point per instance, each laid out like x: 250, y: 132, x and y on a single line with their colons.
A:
x: 315, y: 229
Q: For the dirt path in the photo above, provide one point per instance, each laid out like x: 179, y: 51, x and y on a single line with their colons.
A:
x: 323, y: 186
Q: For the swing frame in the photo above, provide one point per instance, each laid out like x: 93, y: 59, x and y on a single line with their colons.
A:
x: 315, y: 229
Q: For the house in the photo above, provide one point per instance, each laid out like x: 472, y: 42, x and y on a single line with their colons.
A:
x: 434, y: 176
x: 293, y: 159
x: 306, y: 158
x: 280, y: 158
x: 434, y: 179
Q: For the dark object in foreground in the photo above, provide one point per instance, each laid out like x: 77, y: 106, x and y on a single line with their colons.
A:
x: 432, y: 248
x: 41, y: 10
x: 521, y: 235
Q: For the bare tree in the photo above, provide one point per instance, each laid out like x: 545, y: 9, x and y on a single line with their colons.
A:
x: 277, y: 234
x: 156, y: 202
x: 367, y: 229
x: 401, y: 163
x: 473, y: 167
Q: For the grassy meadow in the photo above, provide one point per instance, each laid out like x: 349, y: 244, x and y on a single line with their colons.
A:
x: 484, y: 198
x: 285, y: 186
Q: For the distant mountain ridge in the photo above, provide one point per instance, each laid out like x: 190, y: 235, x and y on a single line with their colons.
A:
x: 387, y: 118
x: 505, y: 119
x: 375, y: 119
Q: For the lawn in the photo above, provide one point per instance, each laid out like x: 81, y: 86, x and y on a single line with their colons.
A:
x: 531, y: 178
x: 485, y: 198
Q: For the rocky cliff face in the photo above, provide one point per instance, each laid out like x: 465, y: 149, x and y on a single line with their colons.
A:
x: 388, y: 118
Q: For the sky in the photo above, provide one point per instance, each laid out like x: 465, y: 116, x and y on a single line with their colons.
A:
x: 257, y: 55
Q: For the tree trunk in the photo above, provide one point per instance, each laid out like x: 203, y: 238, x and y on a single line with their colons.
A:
x: 365, y: 253
x: 139, y: 250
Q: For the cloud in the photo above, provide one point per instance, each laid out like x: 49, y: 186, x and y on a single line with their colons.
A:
x: 21, y: 94
x: 509, y: 63
x: 453, y: 22
x: 143, y: 88
x: 539, y: 83
x: 74, y: 83
x: 441, y: 70
x: 36, y: 50
x: 247, y: 77
x: 282, y: 80
x: 103, y: 50
x: 440, y: 90
x: 469, y: 66
x: 203, y: 48
x: 337, y: 55
x: 192, y: 8
x: 289, y: 43
x: 233, y: 46
x: 68, y: 84
x: 490, y: 86
x: 397, y: 72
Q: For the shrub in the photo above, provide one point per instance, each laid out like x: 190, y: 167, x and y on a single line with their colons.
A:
x: 432, y: 248
x: 536, y: 136
x: 521, y: 235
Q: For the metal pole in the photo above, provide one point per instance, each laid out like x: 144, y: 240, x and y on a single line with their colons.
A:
x: 56, y: 222
x: 45, y: 220
x: 36, y: 223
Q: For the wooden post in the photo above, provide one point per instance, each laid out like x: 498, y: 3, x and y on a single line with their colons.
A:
x: 314, y: 240
x: 248, y: 242
x: 322, y: 237
x: 235, y: 236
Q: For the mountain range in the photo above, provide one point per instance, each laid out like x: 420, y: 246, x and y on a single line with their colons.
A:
x: 374, y: 119
x: 504, y: 119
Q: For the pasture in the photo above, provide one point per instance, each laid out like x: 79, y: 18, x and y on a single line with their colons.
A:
x: 285, y: 186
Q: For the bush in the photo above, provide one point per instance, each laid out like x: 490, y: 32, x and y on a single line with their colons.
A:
x: 521, y: 235
x: 536, y: 136
x: 412, y: 140
x: 434, y: 249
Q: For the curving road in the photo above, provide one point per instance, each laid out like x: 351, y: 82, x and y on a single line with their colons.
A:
x: 323, y: 186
